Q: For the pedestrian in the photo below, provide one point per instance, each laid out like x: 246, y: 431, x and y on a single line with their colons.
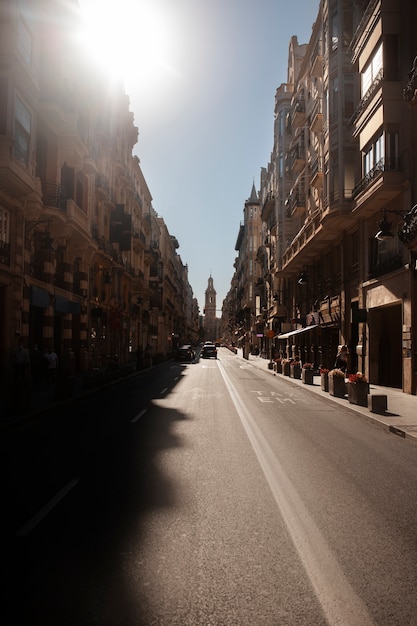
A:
x: 52, y: 367
x: 342, y: 358
x: 21, y: 364
x: 36, y: 364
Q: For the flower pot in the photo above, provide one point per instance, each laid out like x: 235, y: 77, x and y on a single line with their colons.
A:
x: 358, y: 393
x: 286, y: 369
x: 324, y: 381
x: 307, y: 376
x: 295, y: 370
x: 337, y: 386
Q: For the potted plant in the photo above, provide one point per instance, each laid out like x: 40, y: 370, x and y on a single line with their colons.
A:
x: 285, y: 367
x: 278, y: 365
x: 307, y: 373
x: 324, y: 379
x: 295, y: 368
x: 358, y: 389
x: 337, y: 384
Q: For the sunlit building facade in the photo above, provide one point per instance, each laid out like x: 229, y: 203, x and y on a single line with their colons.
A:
x: 339, y: 216
x: 87, y: 265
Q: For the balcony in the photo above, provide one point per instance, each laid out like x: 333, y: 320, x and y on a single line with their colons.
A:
x: 317, y: 117
x: 139, y: 240
x: 103, y: 191
x: 371, y: 14
x: 14, y: 175
x: 151, y: 253
x: 296, y: 204
x: 261, y: 253
x: 268, y: 206
x: 5, y: 252
x: 386, y: 266
x: 317, y: 174
x: 316, y: 68
x: 368, y: 96
x: 298, y: 113
x: 54, y: 195
x: 297, y: 159
x: 384, y: 178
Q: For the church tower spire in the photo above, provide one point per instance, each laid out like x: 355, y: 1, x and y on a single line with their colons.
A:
x: 210, y: 320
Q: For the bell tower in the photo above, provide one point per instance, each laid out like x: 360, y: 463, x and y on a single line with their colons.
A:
x: 210, y: 321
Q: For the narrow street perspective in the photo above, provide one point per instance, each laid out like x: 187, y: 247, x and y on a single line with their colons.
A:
x: 209, y: 493
x: 208, y: 312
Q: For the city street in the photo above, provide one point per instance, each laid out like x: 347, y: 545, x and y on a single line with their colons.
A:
x: 209, y: 493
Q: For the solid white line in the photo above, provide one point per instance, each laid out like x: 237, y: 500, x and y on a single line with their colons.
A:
x: 43, y: 512
x: 340, y: 603
x: 138, y: 416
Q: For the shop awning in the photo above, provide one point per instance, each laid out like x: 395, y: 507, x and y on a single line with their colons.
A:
x: 296, y: 332
x: 39, y: 297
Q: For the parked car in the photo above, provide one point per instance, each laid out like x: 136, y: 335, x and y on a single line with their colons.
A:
x: 185, y: 353
x: 209, y: 350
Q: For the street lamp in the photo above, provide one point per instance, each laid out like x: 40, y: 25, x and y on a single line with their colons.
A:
x: 303, y: 278
x: 385, y: 233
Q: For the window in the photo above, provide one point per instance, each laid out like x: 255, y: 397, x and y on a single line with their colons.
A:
x: 281, y: 124
x: 371, y: 71
x: 334, y: 100
x: 392, y: 150
x: 24, y: 42
x: 22, y: 129
x: 4, y: 236
x: 374, y: 155
x: 4, y: 225
x: 281, y: 165
x: 335, y: 32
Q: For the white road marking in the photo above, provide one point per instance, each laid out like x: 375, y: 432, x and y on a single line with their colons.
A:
x: 164, y: 391
x: 340, y: 604
x: 43, y: 512
x: 138, y: 416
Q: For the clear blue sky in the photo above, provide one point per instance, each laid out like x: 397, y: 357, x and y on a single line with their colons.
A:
x: 201, y: 76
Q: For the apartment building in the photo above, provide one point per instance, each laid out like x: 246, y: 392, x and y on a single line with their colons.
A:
x: 339, y: 217
x: 244, y: 299
x: 86, y: 264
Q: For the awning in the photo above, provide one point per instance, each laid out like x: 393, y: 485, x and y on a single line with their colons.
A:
x: 296, y: 332
x: 39, y: 297
x: 62, y: 305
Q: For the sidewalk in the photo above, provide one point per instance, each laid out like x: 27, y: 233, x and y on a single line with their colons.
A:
x: 41, y: 398
x: 399, y: 418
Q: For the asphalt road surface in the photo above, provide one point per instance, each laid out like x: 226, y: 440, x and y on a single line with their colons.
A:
x: 208, y: 494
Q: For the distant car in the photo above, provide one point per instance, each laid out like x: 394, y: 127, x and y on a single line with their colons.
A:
x: 209, y: 351
x: 185, y: 353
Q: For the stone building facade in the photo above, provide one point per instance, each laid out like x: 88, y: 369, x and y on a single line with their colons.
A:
x: 86, y: 264
x: 338, y: 198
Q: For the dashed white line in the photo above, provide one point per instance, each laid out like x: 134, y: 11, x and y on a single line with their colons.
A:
x: 164, y: 391
x: 43, y: 512
x: 138, y: 416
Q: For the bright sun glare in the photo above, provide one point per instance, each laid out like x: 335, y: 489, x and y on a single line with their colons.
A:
x: 129, y: 39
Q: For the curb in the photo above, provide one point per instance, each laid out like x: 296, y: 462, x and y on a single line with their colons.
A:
x: 376, y: 418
